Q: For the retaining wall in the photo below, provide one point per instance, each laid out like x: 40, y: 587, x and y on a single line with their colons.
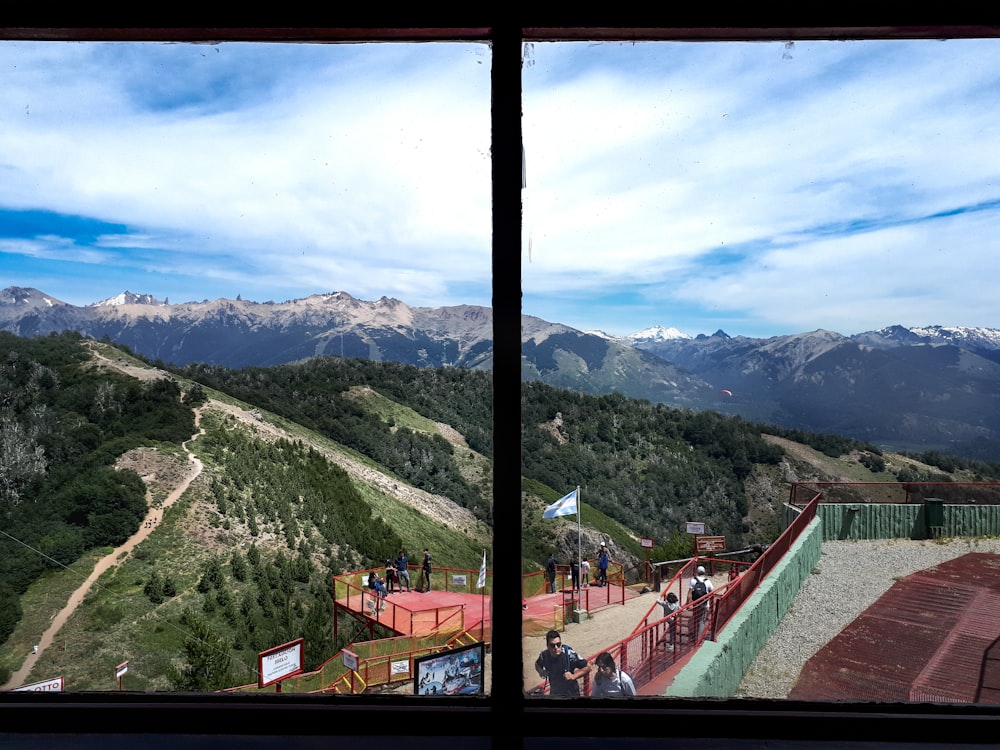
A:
x: 862, y: 521
x: 717, y: 668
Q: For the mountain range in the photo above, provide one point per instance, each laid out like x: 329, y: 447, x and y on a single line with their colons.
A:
x: 929, y: 388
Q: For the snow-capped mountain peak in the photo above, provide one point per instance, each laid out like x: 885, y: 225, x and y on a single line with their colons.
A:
x: 657, y: 333
x: 128, y: 298
x: 968, y: 334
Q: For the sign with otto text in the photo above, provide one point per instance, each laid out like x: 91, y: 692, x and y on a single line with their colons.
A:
x: 55, y: 685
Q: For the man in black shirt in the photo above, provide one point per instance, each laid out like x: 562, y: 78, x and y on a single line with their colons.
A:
x: 561, y: 665
x: 425, y: 572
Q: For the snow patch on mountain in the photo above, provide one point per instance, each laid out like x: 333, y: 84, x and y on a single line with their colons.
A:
x: 128, y: 298
x: 656, y: 333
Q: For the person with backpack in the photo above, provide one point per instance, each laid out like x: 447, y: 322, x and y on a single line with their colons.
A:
x: 561, y: 666
x: 698, y: 591
x: 602, y: 565
x: 610, y: 681
x: 670, y: 605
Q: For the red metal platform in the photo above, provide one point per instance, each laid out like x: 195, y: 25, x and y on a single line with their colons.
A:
x: 934, y: 637
x: 413, y: 613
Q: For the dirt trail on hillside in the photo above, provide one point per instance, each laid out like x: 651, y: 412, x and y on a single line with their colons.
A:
x: 149, y: 523
x: 442, y: 509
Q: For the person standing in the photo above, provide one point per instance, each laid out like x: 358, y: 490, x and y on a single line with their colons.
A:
x: 585, y: 571
x: 425, y: 572
x: 377, y: 586
x: 391, y: 579
x: 602, y: 566
x: 610, y: 681
x: 561, y: 665
x: 550, y: 572
x: 574, y: 573
x: 670, y: 605
x: 698, y: 591
x: 401, y: 569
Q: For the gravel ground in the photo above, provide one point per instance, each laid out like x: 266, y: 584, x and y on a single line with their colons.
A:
x: 849, y: 578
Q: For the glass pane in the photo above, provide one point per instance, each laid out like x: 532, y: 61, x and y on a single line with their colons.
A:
x: 765, y: 197
x: 244, y: 205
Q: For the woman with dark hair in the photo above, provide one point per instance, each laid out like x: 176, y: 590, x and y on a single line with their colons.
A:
x: 610, y: 680
x: 670, y: 605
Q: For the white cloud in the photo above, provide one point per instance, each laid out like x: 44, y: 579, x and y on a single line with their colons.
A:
x: 786, y: 192
x: 358, y: 171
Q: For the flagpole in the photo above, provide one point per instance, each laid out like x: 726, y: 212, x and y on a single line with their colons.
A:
x: 579, y: 544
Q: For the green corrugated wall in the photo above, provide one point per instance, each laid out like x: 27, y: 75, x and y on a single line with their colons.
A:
x: 718, y: 666
x: 905, y: 521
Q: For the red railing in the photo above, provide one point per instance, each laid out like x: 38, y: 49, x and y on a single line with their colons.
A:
x: 535, y: 583
x: 658, y: 643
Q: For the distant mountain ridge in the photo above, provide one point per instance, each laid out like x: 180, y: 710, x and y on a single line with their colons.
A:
x: 932, y: 387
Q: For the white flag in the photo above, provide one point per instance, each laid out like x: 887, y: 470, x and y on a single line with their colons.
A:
x: 564, y: 506
x: 482, y: 573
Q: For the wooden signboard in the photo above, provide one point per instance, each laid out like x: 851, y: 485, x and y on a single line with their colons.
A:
x: 710, y: 544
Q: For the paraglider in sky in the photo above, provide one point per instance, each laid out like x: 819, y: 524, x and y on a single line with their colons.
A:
x: 726, y: 392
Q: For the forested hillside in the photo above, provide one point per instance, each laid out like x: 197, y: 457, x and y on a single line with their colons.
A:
x: 311, y: 473
x: 316, y: 394
x: 241, y: 563
x: 62, y: 426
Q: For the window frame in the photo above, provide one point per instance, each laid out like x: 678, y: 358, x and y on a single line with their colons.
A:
x: 384, y: 720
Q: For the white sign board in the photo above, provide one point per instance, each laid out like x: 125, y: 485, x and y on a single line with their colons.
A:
x: 350, y: 660
x: 121, y: 670
x: 646, y: 542
x: 400, y: 667
x: 54, y: 685
x: 281, y: 662
x: 459, y: 580
x: 694, y: 528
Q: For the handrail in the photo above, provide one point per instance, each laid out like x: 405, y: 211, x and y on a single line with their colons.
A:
x: 656, y: 645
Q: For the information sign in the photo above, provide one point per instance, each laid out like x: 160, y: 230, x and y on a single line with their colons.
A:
x: 694, y: 528
x: 55, y: 685
x: 350, y: 660
x: 280, y: 662
x: 710, y: 544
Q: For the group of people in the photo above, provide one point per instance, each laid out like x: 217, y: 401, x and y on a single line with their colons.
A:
x: 699, y: 587
x: 564, y: 668
x: 397, y: 575
x: 580, y: 570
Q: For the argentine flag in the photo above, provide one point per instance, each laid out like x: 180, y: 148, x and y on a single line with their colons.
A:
x: 564, y: 506
x: 482, y: 573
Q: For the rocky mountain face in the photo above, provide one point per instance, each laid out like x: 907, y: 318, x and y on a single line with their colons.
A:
x: 905, y: 388
x: 238, y: 333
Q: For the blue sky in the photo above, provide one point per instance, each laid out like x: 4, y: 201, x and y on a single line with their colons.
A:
x: 762, y: 188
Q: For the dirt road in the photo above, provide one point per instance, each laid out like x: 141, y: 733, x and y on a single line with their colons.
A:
x: 153, y: 516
